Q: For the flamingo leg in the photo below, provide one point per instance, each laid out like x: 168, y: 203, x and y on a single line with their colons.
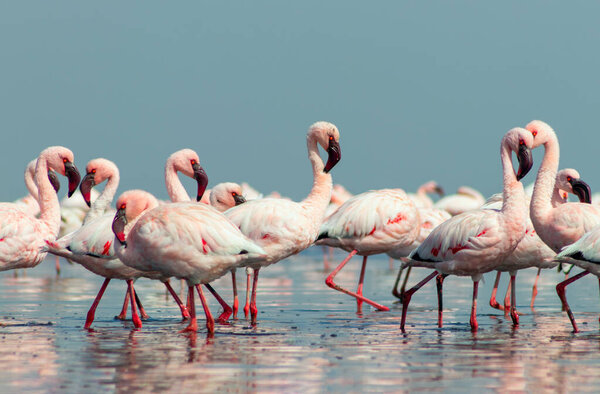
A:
x: 513, y: 300
x: 193, y: 325
x: 391, y: 262
x: 137, y: 322
x: 236, y: 302
x: 184, y: 312
x: 493, y: 303
x: 226, y: 308
x: 325, y: 259
x: 247, y: 305
x: 210, y: 322
x: 143, y: 313
x: 473, y: 320
x: 507, y: 298
x: 408, y: 296
x: 395, y: 292
x: 440, y: 282
x: 57, y: 265
x: 561, y: 291
x: 534, y: 290
x: 361, y: 280
x: 123, y: 314
x: 91, y: 313
x: 403, y: 288
x: 253, y: 308
x: 329, y: 282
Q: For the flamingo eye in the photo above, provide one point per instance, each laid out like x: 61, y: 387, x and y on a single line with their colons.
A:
x: 93, y: 171
x: 330, y: 138
x: 233, y: 194
x: 193, y: 161
x: 521, y: 142
x: 65, y: 160
x: 569, y: 179
x: 534, y: 132
x: 123, y: 206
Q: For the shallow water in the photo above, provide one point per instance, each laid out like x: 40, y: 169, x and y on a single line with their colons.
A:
x: 309, y: 337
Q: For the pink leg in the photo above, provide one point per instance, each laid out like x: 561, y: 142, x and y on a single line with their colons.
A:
x: 473, y: 320
x: 513, y: 300
x: 193, y: 325
x: 210, y: 322
x: 253, y: 308
x: 184, y: 312
x: 361, y: 280
x: 325, y: 259
x: 57, y: 265
x: 408, y: 296
x: 405, y: 281
x: 440, y: 282
x: 226, y: 308
x: 493, y: 302
x: 534, y: 290
x: 142, y: 310
x: 507, y: 298
x: 329, y: 282
x: 137, y: 322
x: 247, y: 305
x: 391, y: 262
x: 560, y: 289
x: 395, y: 291
x: 236, y: 302
x: 123, y: 314
x: 92, y: 311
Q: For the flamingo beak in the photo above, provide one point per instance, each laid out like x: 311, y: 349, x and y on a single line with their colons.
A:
x: 118, y: 226
x: 201, y: 178
x: 239, y: 199
x: 525, y: 161
x: 73, y: 175
x: 440, y: 191
x: 334, y: 155
x: 54, y: 180
x: 581, y: 190
x: 86, y: 186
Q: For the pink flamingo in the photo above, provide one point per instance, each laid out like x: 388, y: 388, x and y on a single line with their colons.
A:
x: 531, y: 250
x: 465, y: 199
x: 430, y: 219
x: 29, y: 203
x: 186, y: 240
x: 22, y: 236
x: 92, y: 244
x: 283, y: 227
x: 370, y: 223
x: 478, y: 241
x: 421, y: 198
x: 562, y: 225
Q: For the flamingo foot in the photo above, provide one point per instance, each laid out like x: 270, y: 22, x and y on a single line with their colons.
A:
x: 192, y: 327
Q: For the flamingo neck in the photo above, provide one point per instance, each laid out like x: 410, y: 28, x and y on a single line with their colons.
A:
x: 175, y: 189
x: 557, y: 199
x: 102, y: 203
x: 30, y: 183
x: 514, y: 206
x: 541, y: 203
x: 320, y: 194
x: 47, y: 198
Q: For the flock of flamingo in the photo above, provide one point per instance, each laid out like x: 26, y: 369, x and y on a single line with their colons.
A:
x: 231, y: 226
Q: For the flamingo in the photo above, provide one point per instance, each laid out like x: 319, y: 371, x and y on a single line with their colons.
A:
x: 532, y: 251
x: 187, y: 240
x: 22, y: 236
x: 339, y: 195
x: 283, y: 227
x: 29, y: 203
x: 421, y: 198
x: 373, y: 222
x: 430, y: 219
x: 465, y: 199
x: 476, y: 242
x: 565, y: 224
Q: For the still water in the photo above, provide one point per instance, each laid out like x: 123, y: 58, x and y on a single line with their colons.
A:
x: 309, y: 337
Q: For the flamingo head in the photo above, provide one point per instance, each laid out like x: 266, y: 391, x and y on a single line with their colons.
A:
x: 187, y: 162
x: 328, y: 136
x: 60, y: 159
x: 432, y: 187
x: 540, y: 131
x: 520, y: 141
x: 226, y: 195
x: 130, y: 206
x: 97, y: 171
x: 570, y: 181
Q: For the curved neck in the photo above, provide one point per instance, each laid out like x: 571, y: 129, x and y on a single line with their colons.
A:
x: 175, y: 189
x: 514, y: 207
x: 102, y: 203
x: 30, y: 183
x: 541, y: 200
x: 320, y: 194
x: 47, y: 198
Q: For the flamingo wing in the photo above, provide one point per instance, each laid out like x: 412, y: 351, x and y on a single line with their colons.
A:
x: 94, y: 238
x: 19, y: 238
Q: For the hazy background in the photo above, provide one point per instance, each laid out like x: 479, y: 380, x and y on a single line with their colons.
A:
x: 420, y: 90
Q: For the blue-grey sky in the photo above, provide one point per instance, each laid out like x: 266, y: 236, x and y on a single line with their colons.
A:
x: 419, y: 90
